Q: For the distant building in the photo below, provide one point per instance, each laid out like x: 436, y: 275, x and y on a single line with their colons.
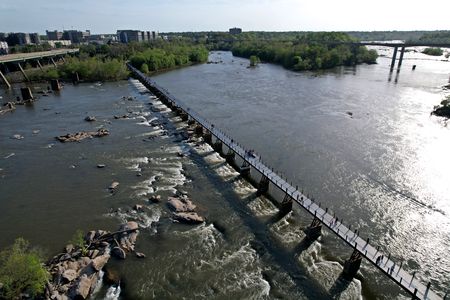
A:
x: 18, y: 38
x: 3, y: 48
x: 235, y: 30
x: 59, y: 43
x: 54, y: 35
x: 128, y: 36
x: 35, y: 38
x: 75, y: 36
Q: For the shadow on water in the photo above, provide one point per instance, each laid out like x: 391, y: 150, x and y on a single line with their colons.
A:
x: 263, y: 243
x: 339, y: 286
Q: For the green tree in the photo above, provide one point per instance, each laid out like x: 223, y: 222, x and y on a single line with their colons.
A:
x: 144, y: 68
x: 254, y: 60
x: 21, y: 271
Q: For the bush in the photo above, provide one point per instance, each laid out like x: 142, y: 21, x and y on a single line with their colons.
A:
x: 21, y: 271
x: 433, y: 51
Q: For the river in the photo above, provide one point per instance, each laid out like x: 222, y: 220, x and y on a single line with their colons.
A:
x: 361, y: 140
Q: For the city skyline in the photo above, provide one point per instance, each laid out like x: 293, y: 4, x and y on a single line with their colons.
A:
x: 106, y: 16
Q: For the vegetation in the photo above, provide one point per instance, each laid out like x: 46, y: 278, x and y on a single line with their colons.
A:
x: 443, y: 110
x: 307, y: 52
x: 441, y: 37
x: 21, y: 271
x: 169, y: 56
x: 79, y: 242
x: 433, y: 51
x: 254, y: 61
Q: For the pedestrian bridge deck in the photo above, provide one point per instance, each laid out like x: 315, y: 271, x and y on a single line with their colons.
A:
x: 391, y: 269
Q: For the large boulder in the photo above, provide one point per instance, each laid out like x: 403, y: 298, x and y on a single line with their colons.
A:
x: 69, y: 275
x: 129, y: 226
x: 180, y: 204
x: 99, y: 262
x: 81, y: 289
x: 188, y: 218
x: 118, y: 252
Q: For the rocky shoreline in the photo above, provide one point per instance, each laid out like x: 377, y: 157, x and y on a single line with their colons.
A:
x: 75, y: 272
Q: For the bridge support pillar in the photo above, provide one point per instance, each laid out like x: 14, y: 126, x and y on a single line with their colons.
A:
x: 55, y: 84
x: 286, y: 205
x: 400, y: 60
x: 314, y: 230
x: 53, y: 61
x: 27, y: 95
x: 217, y: 146
x: 244, y: 170
x: 229, y: 156
x: 23, y: 72
x: 263, y: 186
x: 75, y: 78
x: 39, y: 65
x: 5, y: 80
x: 394, y: 56
x: 207, y: 137
x: 351, y: 266
x: 191, y: 121
x: 184, y: 117
x: 198, y: 129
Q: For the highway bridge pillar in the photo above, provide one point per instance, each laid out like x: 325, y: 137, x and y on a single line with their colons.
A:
x: 75, y: 78
x: 191, y: 121
x: 314, y: 230
x: 26, y: 94
x: 229, y: 156
x: 263, y: 186
x: 244, y: 170
x: 402, y: 51
x: 351, y: 266
x: 53, y: 61
x: 23, y: 72
x: 5, y: 80
x: 217, y: 146
x: 394, y: 56
x: 39, y: 65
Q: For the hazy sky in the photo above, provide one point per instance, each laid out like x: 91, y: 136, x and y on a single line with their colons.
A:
x: 106, y: 16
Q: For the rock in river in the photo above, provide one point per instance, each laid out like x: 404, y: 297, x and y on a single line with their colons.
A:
x: 181, y: 204
x: 188, y: 218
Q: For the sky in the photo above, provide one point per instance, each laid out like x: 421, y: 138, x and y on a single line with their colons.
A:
x: 107, y: 16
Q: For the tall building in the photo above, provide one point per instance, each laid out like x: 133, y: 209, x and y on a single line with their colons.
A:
x: 54, y: 35
x: 235, y: 30
x: 35, y: 38
x: 127, y: 36
x: 75, y: 36
x: 18, y: 38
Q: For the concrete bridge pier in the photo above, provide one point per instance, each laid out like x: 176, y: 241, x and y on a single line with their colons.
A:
x: 53, y: 61
x: 229, y: 156
x: 23, y: 72
x: 39, y: 65
x: 286, y: 205
x: 314, y: 230
x: 207, y: 137
x: 5, y: 80
x: 27, y: 95
x: 351, y: 266
x: 184, y: 117
x: 244, y: 169
x: 217, y: 146
x: 263, y: 186
x: 394, y: 56
x: 198, y: 129
x: 190, y: 121
x: 55, y: 84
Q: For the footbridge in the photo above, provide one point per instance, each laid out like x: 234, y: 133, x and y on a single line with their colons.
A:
x: 35, y: 57
x: 322, y: 216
